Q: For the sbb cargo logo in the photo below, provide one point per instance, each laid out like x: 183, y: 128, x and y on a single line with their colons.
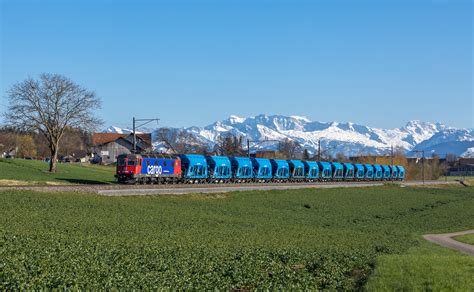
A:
x: 154, y: 169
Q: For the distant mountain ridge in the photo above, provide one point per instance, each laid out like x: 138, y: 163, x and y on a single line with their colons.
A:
x: 348, y: 138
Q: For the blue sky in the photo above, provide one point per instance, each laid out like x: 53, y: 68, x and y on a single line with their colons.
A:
x: 379, y: 63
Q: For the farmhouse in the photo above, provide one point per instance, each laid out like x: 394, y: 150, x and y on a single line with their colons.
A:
x: 463, y: 167
x: 107, y: 146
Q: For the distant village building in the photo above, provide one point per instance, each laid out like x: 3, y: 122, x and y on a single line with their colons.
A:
x: 10, y: 153
x: 107, y: 146
x: 463, y: 167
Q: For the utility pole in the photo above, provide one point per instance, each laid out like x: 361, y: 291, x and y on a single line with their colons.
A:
x: 319, y: 150
x: 134, y: 148
x: 422, y: 164
x: 391, y: 161
x: 146, y: 121
x: 248, y: 147
x: 446, y: 167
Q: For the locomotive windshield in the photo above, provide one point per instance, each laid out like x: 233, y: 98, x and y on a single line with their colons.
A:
x: 121, y: 161
x: 132, y: 162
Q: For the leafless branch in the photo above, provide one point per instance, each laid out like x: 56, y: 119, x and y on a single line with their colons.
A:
x: 49, y: 106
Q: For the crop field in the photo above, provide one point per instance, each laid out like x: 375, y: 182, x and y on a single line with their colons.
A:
x: 20, y: 171
x: 347, y: 239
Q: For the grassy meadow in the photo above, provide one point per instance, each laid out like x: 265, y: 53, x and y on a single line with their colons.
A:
x: 21, y: 171
x: 348, y: 239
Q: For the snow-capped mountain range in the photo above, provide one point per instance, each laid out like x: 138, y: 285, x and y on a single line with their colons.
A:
x: 348, y: 138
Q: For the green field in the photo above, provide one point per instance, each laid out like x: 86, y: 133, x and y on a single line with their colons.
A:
x: 326, y: 239
x: 427, y: 267
x: 468, y: 238
x: 457, y: 178
x: 20, y: 171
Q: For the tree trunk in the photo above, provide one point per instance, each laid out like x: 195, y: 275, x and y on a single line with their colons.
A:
x: 54, y: 158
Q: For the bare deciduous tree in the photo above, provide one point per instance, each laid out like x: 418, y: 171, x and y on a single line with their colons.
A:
x: 340, y: 157
x: 180, y: 141
x: 50, y: 105
x: 230, y: 145
x: 306, y: 155
x: 290, y: 148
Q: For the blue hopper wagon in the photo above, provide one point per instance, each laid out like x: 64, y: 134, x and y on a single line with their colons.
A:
x: 262, y: 169
x: 401, y: 172
x: 326, y: 171
x: 219, y: 168
x: 369, y: 171
x: 348, y: 171
x: 386, y: 172
x: 378, y: 172
x: 359, y: 171
x: 337, y: 170
x: 242, y: 168
x: 296, y: 169
x: 280, y: 169
x: 311, y: 169
x: 194, y: 167
x: 394, y: 172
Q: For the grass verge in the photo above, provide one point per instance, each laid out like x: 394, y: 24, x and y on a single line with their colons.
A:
x: 427, y: 267
x: 21, y: 172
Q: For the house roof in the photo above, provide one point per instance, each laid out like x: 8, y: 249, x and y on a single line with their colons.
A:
x: 104, y: 138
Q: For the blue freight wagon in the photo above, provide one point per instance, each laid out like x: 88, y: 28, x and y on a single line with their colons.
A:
x: 194, y: 167
x: 377, y: 171
x: 337, y: 170
x: 401, y: 172
x: 296, y: 169
x: 386, y: 172
x: 326, y: 172
x: 311, y: 169
x: 242, y: 168
x: 369, y: 171
x: 394, y: 172
x: 219, y: 168
x: 280, y: 169
x: 359, y: 171
x: 348, y: 171
x: 262, y: 169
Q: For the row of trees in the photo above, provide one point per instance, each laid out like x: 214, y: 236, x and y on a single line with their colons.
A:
x: 30, y: 144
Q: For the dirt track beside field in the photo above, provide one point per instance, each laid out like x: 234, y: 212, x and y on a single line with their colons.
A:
x: 447, y: 241
x: 127, y: 190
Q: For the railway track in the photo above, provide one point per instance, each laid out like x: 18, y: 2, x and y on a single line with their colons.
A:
x: 117, y: 189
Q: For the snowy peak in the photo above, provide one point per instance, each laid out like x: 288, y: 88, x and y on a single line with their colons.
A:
x: 469, y: 153
x: 113, y: 129
x: 335, y: 137
x: 422, y: 130
x: 449, y: 140
x: 235, y: 120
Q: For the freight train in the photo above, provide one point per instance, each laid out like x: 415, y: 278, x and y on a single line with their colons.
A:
x: 193, y: 168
